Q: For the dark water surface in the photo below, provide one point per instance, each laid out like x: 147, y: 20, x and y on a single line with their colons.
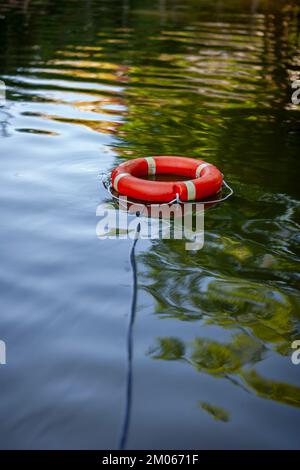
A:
x: 89, y: 84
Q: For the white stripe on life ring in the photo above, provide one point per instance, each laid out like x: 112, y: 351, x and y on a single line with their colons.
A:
x: 151, y: 165
x: 191, y: 190
x: 200, y: 168
x: 117, y: 179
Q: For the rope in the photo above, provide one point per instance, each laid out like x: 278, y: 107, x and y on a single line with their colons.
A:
x: 128, y: 403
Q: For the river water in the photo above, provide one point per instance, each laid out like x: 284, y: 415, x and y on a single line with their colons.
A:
x: 90, y: 84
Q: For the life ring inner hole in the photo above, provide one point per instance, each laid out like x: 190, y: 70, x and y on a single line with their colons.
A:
x: 165, y: 177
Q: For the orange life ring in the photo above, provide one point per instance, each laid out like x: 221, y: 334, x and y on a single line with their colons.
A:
x: 127, y: 179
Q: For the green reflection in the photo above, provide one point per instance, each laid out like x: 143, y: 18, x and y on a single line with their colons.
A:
x: 212, y: 79
x: 230, y: 361
x: 271, y: 389
x: 218, y: 413
x: 169, y: 349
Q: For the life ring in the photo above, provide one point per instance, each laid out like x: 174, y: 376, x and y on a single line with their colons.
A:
x: 127, y: 179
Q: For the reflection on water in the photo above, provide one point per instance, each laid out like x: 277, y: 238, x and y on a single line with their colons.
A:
x: 90, y: 84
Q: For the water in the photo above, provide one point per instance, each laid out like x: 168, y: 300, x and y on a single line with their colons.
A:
x: 90, y: 84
